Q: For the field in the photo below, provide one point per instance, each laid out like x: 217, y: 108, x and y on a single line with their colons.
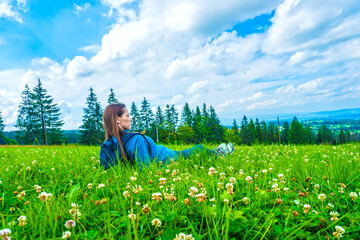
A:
x: 260, y: 192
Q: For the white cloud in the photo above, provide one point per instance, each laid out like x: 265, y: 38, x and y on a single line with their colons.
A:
x: 7, y: 10
x: 79, y: 67
x: 197, y: 87
x: 298, y: 25
x: 79, y: 9
x: 95, y: 48
x: 176, y: 99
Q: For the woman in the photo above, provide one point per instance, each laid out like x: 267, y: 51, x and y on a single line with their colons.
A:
x: 120, y: 144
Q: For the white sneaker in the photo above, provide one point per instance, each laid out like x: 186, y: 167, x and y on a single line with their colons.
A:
x: 230, y: 148
x: 221, y: 149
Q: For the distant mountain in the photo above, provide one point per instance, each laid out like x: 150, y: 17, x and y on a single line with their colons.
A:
x: 342, y: 114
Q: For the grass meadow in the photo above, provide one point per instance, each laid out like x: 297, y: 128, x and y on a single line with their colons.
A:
x: 259, y: 192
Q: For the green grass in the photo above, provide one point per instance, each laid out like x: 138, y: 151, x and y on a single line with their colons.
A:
x: 273, y: 212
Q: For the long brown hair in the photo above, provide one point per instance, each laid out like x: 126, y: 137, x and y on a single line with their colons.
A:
x: 111, y: 126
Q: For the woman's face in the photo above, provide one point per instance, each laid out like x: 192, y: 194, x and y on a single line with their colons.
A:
x: 124, y: 121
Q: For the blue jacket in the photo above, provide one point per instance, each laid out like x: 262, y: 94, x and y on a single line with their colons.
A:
x: 138, y: 148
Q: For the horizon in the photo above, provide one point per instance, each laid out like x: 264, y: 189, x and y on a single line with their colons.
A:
x: 244, y: 58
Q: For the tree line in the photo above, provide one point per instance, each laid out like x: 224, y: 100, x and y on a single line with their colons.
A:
x: 39, y: 122
x: 250, y: 133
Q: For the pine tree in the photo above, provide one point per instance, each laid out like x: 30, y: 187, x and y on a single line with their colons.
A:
x: 264, y: 133
x: 235, y: 127
x: 175, y: 116
x: 47, y: 120
x: 146, y: 115
x: 309, y: 136
x: 2, y: 126
x: 26, y: 118
x: 186, y: 116
x: 272, y: 133
x: 325, y: 135
x: 258, y: 135
x: 91, y: 131
x: 245, y: 132
x: 112, y: 99
x: 296, y: 132
x: 197, y: 119
x: 285, y: 133
x: 252, y: 130
x: 134, y: 113
x: 215, y: 127
x: 159, y: 117
x: 342, y: 137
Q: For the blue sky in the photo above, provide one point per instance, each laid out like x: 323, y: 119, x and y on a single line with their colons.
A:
x: 242, y: 57
x: 53, y: 29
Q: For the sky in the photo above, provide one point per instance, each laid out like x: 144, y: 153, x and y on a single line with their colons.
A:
x: 242, y: 57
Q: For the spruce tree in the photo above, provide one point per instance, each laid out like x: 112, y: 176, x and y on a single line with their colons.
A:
x: 197, y: 120
x: 146, y: 115
x: 47, y: 117
x: 296, y: 132
x: 258, y: 135
x: 215, y: 128
x: 342, y: 137
x: 264, y: 132
x: 186, y: 116
x: 285, y: 133
x: 252, y: 130
x: 91, y: 131
x: 112, y: 99
x: 245, y: 132
x: 235, y: 127
x: 134, y: 113
x: 2, y: 126
x: 159, y: 117
x: 26, y: 119
x: 171, y: 117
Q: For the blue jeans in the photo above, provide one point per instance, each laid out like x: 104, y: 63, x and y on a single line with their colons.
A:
x: 195, y: 149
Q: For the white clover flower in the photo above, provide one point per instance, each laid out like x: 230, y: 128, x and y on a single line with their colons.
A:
x: 90, y: 185
x: 156, y: 197
x: 132, y: 216
x: 322, y: 197
x: 4, y: 234
x: 101, y: 185
x: 22, y: 221
x: 156, y: 222
x: 70, y: 224
x: 137, y: 189
x: 74, y: 205
x: 180, y: 236
x: 339, y: 232
x: 354, y: 196
x: 66, y: 235
x: 334, y: 216
x: 307, y: 206
x: 248, y: 179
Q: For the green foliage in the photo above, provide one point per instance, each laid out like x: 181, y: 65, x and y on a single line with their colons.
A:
x: 272, y: 205
x: 134, y: 113
x: 2, y: 126
x: 185, y: 134
x: 112, y: 99
x: 39, y: 117
x: 91, y: 131
x: 146, y: 115
x: 296, y: 132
